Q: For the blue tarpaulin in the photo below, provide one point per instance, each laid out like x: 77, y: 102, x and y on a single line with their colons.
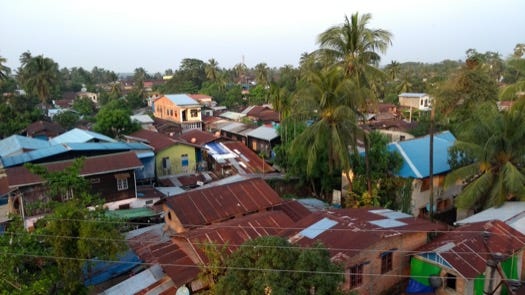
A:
x: 97, y: 272
x: 415, y: 287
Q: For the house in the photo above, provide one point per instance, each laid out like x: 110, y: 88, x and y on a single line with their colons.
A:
x: 111, y: 176
x: 179, y: 108
x: 512, y: 213
x: 466, y: 260
x: 199, y: 139
x: 44, y: 130
x: 80, y: 135
x: 419, y: 101
x: 416, y: 166
x: 370, y: 243
x: 145, y: 121
x: 203, y: 99
x: 262, y: 140
x: 217, y: 203
x: 236, y: 131
x: 261, y: 114
x: 171, y: 156
x: 18, y: 144
x: 232, y: 116
x: 89, y: 95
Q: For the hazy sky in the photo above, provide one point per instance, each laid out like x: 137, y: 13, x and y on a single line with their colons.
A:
x: 157, y: 34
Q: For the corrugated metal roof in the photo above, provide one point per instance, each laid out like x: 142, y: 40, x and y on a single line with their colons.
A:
x: 415, y: 153
x: 65, y: 148
x: 198, y: 137
x: 80, y: 135
x: 464, y: 248
x: 318, y: 228
x: 412, y: 94
x: 182, y: 99
x: 263, y: 132
x: 358, y: 229
x: 143, y: 119
x: 213, y: 204
x: 16, y: 144
x: 512, y: 213
x: 20, y: 176
x: 137, y: 282
x: 232, y: 115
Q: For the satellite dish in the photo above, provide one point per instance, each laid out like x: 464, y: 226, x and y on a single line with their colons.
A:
x: 183, y: 290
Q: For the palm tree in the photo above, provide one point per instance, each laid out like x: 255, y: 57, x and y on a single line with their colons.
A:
x: 39, y: 75
x: 327, y: 99
x: 261, y: 73
x: 393, y: 69
x: 519, y: 50
x: 211, y: 69
x: 240, y: 70
x: 490, y: 159
x: 355, y: 47
x: 4, y: 70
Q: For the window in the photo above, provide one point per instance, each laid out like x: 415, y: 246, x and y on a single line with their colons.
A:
x: 68, y: 195
x: 355, y: 274
x: 386, y: 262
x: 194, y: 113
x: 451, y: 281
x: 122, y: 184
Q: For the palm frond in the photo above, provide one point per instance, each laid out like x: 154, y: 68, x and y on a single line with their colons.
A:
x: 474, y: 193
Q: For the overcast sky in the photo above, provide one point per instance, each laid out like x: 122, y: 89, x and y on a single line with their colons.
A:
x: 157, y: 34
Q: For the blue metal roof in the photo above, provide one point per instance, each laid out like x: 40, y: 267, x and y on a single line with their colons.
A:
x: 64, y: 148
x: 181, y: 99
x: 415, y: 153
x: 80, y: 135
x: 17, y: 143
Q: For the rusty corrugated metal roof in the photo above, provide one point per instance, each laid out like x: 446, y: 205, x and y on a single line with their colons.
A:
x: 355, y: 230
x: 20, y: 176
x: 214, y: 204
x: 464, y: 248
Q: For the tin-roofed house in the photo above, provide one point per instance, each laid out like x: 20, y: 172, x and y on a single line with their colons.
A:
x: 262, y: 140
x: 179, y: 108
x: 112, y: 177
x: 416, y: 166
x: 478, y: 258
x: 371, y: 243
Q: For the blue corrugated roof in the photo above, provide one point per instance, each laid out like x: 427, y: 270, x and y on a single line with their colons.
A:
x: 18, y: 143
x: 415, y: 153
x: 63, y: 148
x: 181, y: 99
x: 80, y: 135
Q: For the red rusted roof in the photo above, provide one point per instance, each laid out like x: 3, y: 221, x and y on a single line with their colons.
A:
x: 157, y: 140
x: 356, y: 230
x: 175, y: 263
x: 252, y: 161
x: 197, y: 137
x: 236, y: 231
x: 20, y: 176
x: 464, y: 248
x: 217, y: 203
x: 50, y: 129
x: 295, y: 210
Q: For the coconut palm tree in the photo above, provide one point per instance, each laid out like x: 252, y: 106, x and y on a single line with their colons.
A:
x: 4, y: 70
x: 327, y: 100
x: 262, y: 72
x: 393, y: 69
x: 39, y: 76
x: 490, y: 159
x: 355, y: 47
x: 211, y: 69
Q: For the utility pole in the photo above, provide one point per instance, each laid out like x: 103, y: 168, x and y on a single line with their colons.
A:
x: 431, y: 165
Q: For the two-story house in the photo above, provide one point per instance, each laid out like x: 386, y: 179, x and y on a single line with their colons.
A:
x: 420, y: 101
x: 180, y: 109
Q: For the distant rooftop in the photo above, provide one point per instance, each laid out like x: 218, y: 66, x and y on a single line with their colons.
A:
x: 264, y: 132
x: 80, y: 135
x: 412, y: 94
x: 17, y: 144
x: 182, y: 100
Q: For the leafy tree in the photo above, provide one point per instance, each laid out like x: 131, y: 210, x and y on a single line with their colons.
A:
x: 51, y: 259
x: 67, y: 119
x: 492, y: 145
x: 262, y: 73
x: 114, y: 120
x: 84, y: 106
x: 271, y: 265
